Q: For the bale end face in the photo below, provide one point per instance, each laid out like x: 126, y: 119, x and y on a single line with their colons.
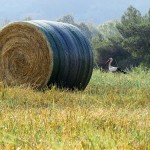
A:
x: 25, y: 56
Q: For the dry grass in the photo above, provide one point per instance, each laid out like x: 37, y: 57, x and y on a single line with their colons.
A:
x: 25, y: 55
x: 112, y: 113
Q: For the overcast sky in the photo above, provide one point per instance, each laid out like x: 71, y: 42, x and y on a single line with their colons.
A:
x: 96, y: 11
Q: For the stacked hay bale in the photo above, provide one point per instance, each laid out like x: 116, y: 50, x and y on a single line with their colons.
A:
x: 43, y: 53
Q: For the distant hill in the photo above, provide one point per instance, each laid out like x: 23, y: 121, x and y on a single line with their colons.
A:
x: 96, y: 11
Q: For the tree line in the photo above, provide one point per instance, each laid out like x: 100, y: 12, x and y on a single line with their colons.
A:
x: 127, y: 40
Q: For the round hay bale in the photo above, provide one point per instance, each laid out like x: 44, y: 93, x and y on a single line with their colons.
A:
x: 42, y: 53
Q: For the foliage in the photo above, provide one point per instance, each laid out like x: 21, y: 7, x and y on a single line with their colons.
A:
x: 85, y: 28
x: 93, y: 30
x: 135, y: 30
x: 128, y: 41
x: 109, y: 29
x: 112, y: 113
x: 67, y: 19
x: 106, y: 48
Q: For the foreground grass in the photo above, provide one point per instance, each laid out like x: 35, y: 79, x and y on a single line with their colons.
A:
x: 112, y: 113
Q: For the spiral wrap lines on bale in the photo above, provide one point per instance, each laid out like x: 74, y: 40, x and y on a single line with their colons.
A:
x: 43, y: 53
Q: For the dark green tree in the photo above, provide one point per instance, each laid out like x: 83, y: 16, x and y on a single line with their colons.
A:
x: 108, y: 44
x: 105, y: 49
x: 135, y: 31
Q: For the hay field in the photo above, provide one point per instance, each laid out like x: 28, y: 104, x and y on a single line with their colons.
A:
x: 112, y: 113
